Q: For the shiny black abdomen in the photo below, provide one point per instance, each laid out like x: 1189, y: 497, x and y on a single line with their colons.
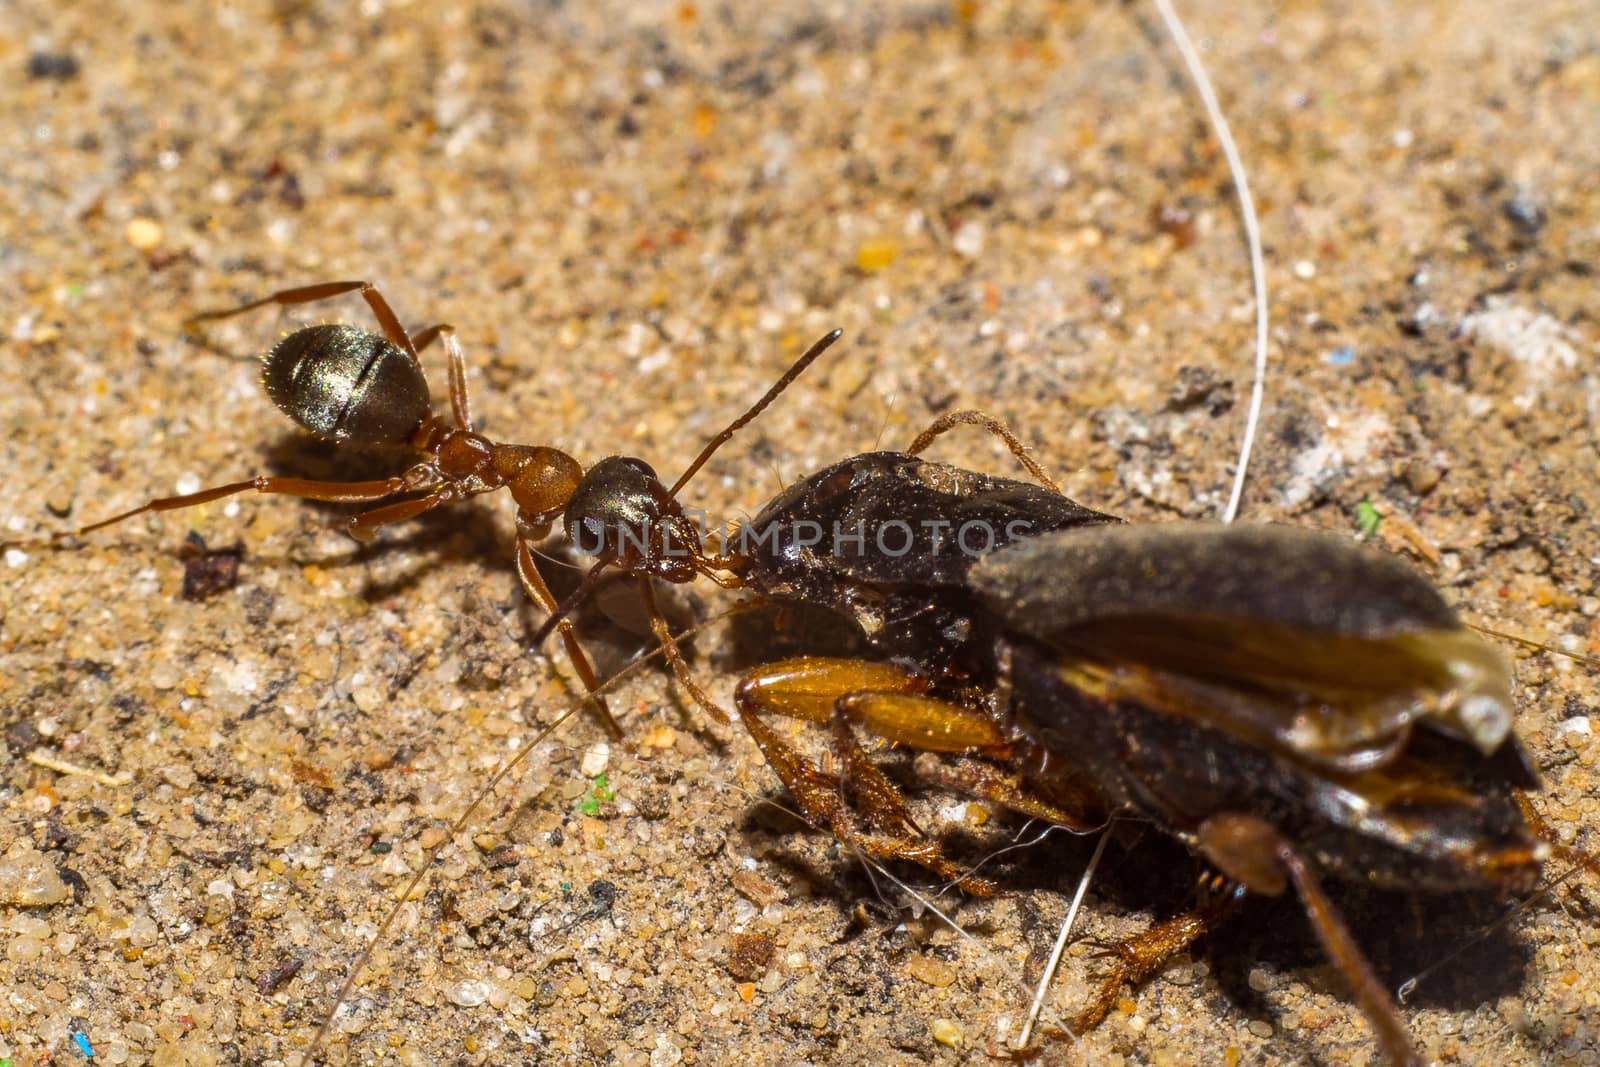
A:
x: 886, y: 539
x: 346, y: 384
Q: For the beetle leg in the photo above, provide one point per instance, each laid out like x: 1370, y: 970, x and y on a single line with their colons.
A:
x: 1253, y: 853
x: 843, y: 691
x: 1079, y: 814
x: 1137, y: 959
x: 1541, y: 829
x: 948, y: 421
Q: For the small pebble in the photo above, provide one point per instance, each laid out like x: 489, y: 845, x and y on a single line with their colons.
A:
x: 29, y: 880
x: 968, y: 240
x: 873, y: 255
x: 665, y: 1054
x: 1578, y: 724
x: 144, y: 234
x: 947, y: 1032
x: 934, y: 972
x: 1260, y: 1027
x: 595, y: 760
x: 1525, y: 213
x: 757, y: 889
x: 369, y: 698
x: 468, y: 993
x: 660, y: 736
x: 52, y: 66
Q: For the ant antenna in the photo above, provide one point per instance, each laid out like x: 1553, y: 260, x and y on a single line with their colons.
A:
x: 757, y: 408
x: 592, y: 578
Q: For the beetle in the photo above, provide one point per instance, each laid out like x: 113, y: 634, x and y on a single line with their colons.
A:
x: 1288, y: 705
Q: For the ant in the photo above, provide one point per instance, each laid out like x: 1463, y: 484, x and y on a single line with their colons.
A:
x: 360, y: 389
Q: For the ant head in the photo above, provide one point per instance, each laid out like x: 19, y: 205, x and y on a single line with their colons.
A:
x: 621, y: 511
x: 347, y: 385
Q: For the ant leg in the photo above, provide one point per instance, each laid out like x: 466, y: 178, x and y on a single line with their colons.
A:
x: 364, y: 527
x: 533, y: 583
x: 670, y: 649
x: 427, y: 335
x: 1252, y: 853
x: 307, y: 294
x: 458, y: 369
x: 948, y: 421
x: 821, y: 689
x: 340, y: 492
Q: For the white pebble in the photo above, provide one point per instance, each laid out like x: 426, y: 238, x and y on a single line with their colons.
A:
x: 29, y: 880
x: 595, y: 760
x: 468, y: 993
x: 665, y: 1054
x: 968, y: 240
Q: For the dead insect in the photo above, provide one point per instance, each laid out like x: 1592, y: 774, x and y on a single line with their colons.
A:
x: 1288, y: 705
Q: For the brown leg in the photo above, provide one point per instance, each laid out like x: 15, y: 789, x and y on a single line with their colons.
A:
x: 424, y: 337
x: 1139, y: 958
x: 1253, y: 853
x: 669, y: 648
x: 364, y: 527
x: 948, y: 421
x: 1542, y: 831
x: 986, y: 781
x: 307, y: 294
x: 342, y: 492
x: 540, y: 593
x: 861, y: 807
x: 458, y: 369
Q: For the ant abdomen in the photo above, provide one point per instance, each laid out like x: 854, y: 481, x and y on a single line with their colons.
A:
x: 348, y: 385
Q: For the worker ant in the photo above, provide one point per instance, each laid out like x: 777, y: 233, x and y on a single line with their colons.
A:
x: 357, y: 388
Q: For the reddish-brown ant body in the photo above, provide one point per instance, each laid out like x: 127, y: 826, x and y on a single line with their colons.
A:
x: 358, y: 388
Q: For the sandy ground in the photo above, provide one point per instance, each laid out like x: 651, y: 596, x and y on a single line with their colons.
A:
x: 637, y: 213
